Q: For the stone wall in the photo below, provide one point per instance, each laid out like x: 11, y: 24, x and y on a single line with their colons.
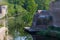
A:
x: 55, y: 12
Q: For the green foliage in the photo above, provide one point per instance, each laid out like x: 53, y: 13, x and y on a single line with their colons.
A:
x: 43, y: 4
x: 47, y: 2
x: 1, y: 25
x: 11, y: 10
x: 24, y: 17
x: 31, y: 8
x: 25, y: 11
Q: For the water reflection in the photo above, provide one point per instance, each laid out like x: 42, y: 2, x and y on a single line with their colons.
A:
x: 23, y: 38
x: 18, y: 36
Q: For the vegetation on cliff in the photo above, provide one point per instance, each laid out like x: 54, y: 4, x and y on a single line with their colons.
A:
x: 25, y: 12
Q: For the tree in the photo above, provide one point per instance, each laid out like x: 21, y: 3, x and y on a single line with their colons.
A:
x: 43, y: 4
x: 24, y: 17
x: 31, y: 7
x: 26, y: 10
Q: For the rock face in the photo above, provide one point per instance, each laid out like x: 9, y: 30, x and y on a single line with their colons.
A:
x: 3, y: 12
x: 2, y: 33
x: 42, y: 19
x: 55, y: 12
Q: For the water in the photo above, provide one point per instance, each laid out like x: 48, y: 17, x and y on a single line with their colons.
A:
x: 17, y: 36
x: 23, y: 38
x: 20, y: 38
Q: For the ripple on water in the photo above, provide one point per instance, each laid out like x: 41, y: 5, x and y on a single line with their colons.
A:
x: 23, y: 38
x: 20, y: 38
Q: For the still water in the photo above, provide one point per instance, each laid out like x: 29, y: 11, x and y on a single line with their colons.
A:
x: 17, y: 36
x: 23, y: 38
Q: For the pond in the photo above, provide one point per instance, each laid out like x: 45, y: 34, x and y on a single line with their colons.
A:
x: 23, y: 38
x: 19, y: 36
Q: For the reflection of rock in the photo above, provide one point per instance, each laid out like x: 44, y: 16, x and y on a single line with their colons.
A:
x: 21, y: 38
x: 2, y: 33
